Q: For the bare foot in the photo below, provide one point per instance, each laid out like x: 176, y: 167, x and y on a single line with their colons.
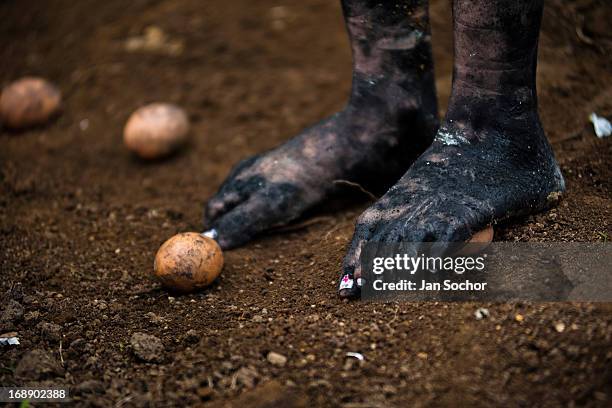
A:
x: 389, y: 121
x: 490, y: 159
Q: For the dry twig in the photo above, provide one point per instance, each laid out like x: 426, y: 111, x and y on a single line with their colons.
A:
x: 357, y: 186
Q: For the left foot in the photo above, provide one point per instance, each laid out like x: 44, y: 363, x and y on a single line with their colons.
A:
x: 390, y: 119
x: 465, y: 181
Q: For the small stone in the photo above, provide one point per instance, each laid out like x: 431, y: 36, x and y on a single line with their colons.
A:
x: 276, y: 359
x: 146, y: 347
x: 481, y: 313
x: 560, y: 327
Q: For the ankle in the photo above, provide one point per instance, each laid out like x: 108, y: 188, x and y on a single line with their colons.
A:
x: 493, y: 102
x: 392, y: 57
x: 390, y: 97
x: 511, y: 116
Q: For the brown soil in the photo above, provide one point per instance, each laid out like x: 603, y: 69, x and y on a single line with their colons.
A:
x: 81, y: 220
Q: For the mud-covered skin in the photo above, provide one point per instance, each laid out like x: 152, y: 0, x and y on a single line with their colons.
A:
x: 490, y: 159
x: 389, y: 121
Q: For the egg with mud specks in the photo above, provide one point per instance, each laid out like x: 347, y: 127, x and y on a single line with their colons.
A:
x: 188, y: 262
x: 478, y: 243
x: 28, y: 102
x: 156, y: 130
x: 484, y: 236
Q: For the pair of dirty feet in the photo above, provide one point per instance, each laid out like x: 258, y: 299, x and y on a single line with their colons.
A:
x: 489, y: 160
x: 485, y: 164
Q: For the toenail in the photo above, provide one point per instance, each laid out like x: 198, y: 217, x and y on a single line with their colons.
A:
x: 211, y: 233
x: 347, y: 282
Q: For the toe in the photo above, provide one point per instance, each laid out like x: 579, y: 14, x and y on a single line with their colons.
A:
x: 350, y: 278
x: 239, y: 224
x: 235, y: 189
x: 219, y: 205
x: 438, y: 226
x: 348, y: 286
x: 257, y: 214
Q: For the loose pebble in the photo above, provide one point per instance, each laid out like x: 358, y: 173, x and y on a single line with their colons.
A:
x: 147, y: 348
x: 276, y: 359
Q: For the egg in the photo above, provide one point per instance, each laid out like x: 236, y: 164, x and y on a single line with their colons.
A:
x: 478, y: 243
x: 156, y: 130
x: 188, y: 262
x: 29, y: 101
x: 484, y: 236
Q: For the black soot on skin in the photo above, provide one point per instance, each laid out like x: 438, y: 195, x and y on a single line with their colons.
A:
x: 389, y: 120
x: 490, y: 159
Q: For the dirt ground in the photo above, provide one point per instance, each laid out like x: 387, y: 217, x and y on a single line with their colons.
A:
x: 81, y: 220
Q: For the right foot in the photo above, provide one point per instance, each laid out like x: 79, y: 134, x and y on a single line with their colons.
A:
x: 389, y: 121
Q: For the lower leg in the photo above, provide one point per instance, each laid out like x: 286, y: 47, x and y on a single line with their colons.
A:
x: 490, y: 159
x: 494, y: 79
